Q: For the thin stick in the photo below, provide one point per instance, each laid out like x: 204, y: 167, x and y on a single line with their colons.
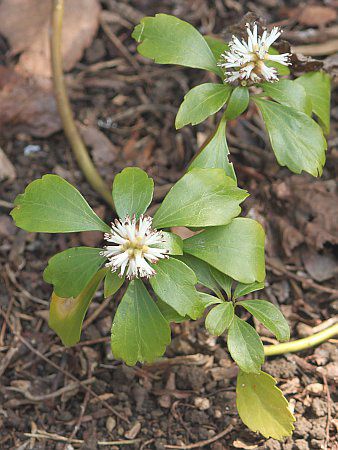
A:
x: 203, y: 443
x: 65, y: 111
x: 65, y: 372
x: 55, y: 437
x: 301, y: 344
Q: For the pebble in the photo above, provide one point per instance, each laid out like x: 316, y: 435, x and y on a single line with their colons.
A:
x: 134, y: 431
x: 202, y: 403
x: 110, y: 423
x: 29, y: 149
x: 315, y: 388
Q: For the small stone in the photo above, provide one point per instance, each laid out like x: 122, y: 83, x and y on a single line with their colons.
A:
x: 217, y: 413
x: 272, y: 444
x: 318, y: 428
x: 110, y: 423
x: 315, y: 443
x: 29, y: 149
x: 319, y: 407
x: 301, y: 444
x: 315, y: 388
x: 202, y: 403
x: 134, y: 431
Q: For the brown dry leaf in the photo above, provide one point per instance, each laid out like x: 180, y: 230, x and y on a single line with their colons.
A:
x: 315, y: 209
x: 320, y: 267
x: 315, y: 15
x: 7, y: 170
x: 26, y: 106
x: 103, y: 151
x: 27, y: 29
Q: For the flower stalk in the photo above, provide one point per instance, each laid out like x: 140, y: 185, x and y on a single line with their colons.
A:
x: 301, y: 344
x: 77, y: 145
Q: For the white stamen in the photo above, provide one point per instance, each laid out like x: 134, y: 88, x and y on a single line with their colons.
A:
x: 246, y: 60
x: 135, y: 243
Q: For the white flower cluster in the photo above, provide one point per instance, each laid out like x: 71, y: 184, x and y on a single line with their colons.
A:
x: 246, y: 60
x: 135, y: 244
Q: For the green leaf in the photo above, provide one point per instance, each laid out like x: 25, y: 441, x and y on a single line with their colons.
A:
x: 173, y: 243
x: 217, y: 46
x: 169, y: 313
x: 71, y: 270
x: 244, y: 289
x: 270, y: 316
x: 66, y: 314
x: 289, y: 93
x: 262, y: 406
x: 174, y: 283
x: 214, y: 153
x: 223, y: 280
x: 208, y: 300
x: 201, y: 102
x: 169, y: 40
x: 236, y: 249
x: 139, y: 331
x: 245, y: 346
x: 112, y: 283
x: 296, y: 139
x: 317, y: 87
x: 219, y: 318
x: 52, y: 205
x: 132, y: 192
x: 238, y: 102
x: 202, y: 271
x: 202, y: 197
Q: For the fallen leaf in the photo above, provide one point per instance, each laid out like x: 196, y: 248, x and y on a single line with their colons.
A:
x: 7, y: 170
x: 26, y: 106
x: 315, y: 15
x: 103, y: 151
x: 320, y: 267
x: 27, y: 29
x: 314, y: 206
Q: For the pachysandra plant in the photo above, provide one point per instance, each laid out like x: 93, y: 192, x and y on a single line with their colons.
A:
x: 296, y: 114
x: 162, y: 272
x: 167, y: 279
x: 141, y: 248
x: 249, y: 69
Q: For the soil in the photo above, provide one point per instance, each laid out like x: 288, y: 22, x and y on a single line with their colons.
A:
x: 189, y: 396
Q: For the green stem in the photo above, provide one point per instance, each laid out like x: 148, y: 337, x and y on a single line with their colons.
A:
x: 302, y: 344
x: 65, y: 111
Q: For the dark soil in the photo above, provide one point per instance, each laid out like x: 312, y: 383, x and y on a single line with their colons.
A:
x: 189, y: 397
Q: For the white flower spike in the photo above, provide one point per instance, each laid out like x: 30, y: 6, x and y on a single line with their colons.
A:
x: 135, y: 244
x: 246, y: 60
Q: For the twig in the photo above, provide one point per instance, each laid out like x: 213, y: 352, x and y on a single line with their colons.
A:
x: 203, y: 443
x: 40, y: 434
x: 271, y: 265
x: 65, y: 111
x: 301, y: 344
x: 329, y: 416
x: 96, y: 313
x: 5, y: 204
x: 325, y: 48
x: 118, y: 44
x: 5, y: 361
x: 40, y: 398
x: 65, y: 372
